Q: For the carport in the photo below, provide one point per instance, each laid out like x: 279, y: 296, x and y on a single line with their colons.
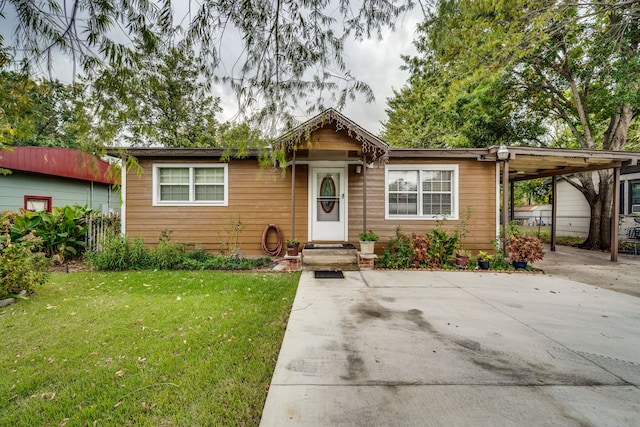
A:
x: 525, y: 163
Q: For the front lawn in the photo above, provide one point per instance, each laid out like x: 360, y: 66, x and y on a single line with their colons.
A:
x: 143, y: 348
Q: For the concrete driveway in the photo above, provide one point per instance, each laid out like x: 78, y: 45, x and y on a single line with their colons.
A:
x: 411, y: 348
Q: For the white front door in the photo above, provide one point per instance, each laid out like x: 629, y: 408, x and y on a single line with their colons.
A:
x: 328, y: 204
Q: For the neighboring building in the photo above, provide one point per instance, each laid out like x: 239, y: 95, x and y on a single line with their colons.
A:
x: 42, y: 178
x: 339, y: 180
x: 533, y: 215
x: 574, y: 214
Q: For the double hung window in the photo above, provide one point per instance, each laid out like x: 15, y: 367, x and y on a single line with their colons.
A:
x: 421, y: 191
x: 190, y: 184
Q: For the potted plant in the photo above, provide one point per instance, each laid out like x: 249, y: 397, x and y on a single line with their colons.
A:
x: 524, y: 249
x: 484, y: 260
x: 368, y: 241
x: 293, y: 247
x: 462, y: 257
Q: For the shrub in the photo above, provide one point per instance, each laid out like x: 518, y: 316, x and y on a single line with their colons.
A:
x: 442, y: 246
x: 399, y: 251
x: 62, y: 232
x: 167, y: 255
x: 119, y: 254
x: 20, y: 268
x: 421, y: 245
x: 524, y: 247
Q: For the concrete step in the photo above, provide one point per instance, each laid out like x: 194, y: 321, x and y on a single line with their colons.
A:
x: 330, y: 259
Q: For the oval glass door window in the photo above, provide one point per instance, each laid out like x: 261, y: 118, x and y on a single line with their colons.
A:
x: 328, y: 190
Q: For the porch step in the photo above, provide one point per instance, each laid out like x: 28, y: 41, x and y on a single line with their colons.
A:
x: 345, y: 259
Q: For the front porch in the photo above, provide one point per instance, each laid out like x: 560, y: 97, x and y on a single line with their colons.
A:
x: 330, y: 156
x: 330, y: 257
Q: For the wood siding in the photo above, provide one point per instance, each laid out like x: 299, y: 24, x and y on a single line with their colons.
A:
x: 477, y: 189
x: 257, y: 197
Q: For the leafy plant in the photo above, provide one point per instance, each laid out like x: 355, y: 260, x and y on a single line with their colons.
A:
x: 368, y: 236
x: 292, y: 242
x: 524, y: 247
x: 484, y: 256
x: 399, y: 251
x: 119, y: 254
x: 62, y: 232
x: 421, y: 244
x: 442, y: 247
x: 20, y: 267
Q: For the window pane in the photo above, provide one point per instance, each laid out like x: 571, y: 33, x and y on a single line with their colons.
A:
x: 635, y: 193
x: 436, y: 204
x: 174, y: 192
x: 403, y: 204
x: 403, y: 180
x: 209, y: 175
x: 209, y: 192
x: 36, y: 205
x: 174, y: 176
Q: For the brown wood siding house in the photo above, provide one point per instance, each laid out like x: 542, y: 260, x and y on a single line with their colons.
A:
x: 345, y: 182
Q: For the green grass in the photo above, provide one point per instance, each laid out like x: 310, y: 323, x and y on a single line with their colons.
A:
x: 544, y: 234
x: 143, y: 348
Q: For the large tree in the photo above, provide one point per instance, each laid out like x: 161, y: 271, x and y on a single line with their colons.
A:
x: 162, y: 100
x: 41, y: 112
x: 277, y: 55
x: 571, y: 63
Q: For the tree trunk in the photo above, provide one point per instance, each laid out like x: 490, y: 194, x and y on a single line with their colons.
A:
x: 600, y: 198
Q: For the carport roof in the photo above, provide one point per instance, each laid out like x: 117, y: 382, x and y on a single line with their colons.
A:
x: 531, y: 162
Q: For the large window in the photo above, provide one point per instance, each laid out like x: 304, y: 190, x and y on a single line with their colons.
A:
x: 180, y: 184
x: 421, y: 191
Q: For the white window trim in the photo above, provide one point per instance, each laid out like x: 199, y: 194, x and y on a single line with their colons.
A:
x: 454, y: 215
x: 191, y: 201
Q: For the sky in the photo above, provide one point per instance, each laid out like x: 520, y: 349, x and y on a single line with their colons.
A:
x: 376, y: 62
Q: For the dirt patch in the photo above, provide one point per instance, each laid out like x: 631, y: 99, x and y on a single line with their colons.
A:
x: 594, y: 268
x: 73, y: 266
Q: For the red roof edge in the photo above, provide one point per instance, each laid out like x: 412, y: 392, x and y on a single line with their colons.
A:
x: 60, y: 162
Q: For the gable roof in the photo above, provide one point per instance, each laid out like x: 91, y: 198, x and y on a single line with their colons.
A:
x: 372, y: 146
x: 59, y: 162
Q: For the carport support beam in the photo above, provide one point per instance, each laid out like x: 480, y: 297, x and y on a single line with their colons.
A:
x: 554, y: 211
x: 615, y: 212
x: 505, y: 203
x: 364, y: 193
x: 293, y: 195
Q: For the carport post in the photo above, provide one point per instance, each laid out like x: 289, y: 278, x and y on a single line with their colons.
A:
x: 554, y: 211
x: 293, y: 196
x: 505, y: 202
x: 615, y: 212
x: 364, y: 192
